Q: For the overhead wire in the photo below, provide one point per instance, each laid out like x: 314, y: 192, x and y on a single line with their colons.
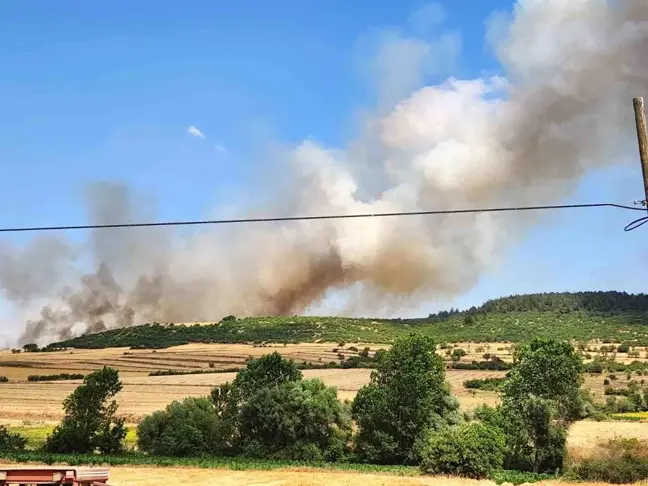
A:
x: 631, y: 226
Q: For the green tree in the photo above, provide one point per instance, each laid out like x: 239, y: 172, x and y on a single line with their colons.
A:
x: 265, y: 372
x: 30, y: 348
x: 187, y: 428
x: 406, y: 399
x: 10, y: 442
x: 269, y: 371
x: 548, y: 369
x: 540, y: 399
x: 472, y: 450
x: 301, y: 420
x: 90, y: 424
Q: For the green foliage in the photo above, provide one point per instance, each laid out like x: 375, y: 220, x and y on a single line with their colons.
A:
x: 578, y: 316
x: 622, y: 461
x: 623, y: 348
x: 30, y: 348
x: 473, y: 450
x: 486, y: 384
x: 457, y: 354
x: 406, y: 399
x: 550, y: 370
x: 540, y: 399
x: 216, y: 462
x: 58, y: 377
x: 267, y: 371
x: 187, y: 428
x: 193, y: 372
x: 493, y: 364
x: 518, y: 477
x: 11, y: 442
x: 90, y: 424
x: 300, y: 420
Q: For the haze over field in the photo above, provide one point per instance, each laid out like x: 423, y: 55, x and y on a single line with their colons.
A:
x: 562, y: 109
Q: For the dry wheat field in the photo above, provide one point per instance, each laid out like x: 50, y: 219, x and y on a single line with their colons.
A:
x: 126, y: 476
x: 143, y: 394
x: 21, y: 400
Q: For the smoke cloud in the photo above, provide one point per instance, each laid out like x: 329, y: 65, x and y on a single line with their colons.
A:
x: 561, y: 109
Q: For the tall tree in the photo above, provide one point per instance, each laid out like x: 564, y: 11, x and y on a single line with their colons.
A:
x: 90, y: 424
x: 406, y: 399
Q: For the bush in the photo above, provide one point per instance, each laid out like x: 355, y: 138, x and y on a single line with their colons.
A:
x: 300, y: 420
x: 4, y: 379
x: 58, y: 377
x: 90, y: 424
x: 10, y: 442
x: 187, y: 428
x: 622, y: 461
x: 487, y: 384
x: 494, y: 364
x: 472, y: 450
x: 407, y: 397
x: 623, y: 348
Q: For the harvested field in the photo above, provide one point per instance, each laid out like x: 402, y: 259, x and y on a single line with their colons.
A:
x: 143, y: 394
x: 130, y: 476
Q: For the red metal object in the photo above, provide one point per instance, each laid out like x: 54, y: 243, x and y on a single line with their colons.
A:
x: 53, y: 475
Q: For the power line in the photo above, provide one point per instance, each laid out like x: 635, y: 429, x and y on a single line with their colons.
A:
x: 635, y: 224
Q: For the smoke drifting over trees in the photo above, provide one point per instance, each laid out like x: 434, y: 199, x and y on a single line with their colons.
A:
x: 563, y: 108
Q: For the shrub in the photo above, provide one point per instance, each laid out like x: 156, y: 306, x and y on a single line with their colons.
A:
x: 623, y: 348
x: 458, y: 353
x: 58, y: 377
x: 621, y: 461
x: 187, y: 428
x: 300, y: 420
x: 488, y: 384
x: 10, y: 442
x: 30, y: 348
x: 406, y: 398
x: 90, y: 423
x: 4, y: 379
x: 473, y: 450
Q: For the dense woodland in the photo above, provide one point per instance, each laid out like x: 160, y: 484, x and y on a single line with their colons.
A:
x: 607, y: 316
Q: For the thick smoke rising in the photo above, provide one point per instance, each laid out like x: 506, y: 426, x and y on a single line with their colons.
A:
x: 561, y: 109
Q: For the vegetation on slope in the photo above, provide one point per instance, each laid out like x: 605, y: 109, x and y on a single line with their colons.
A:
x: 608, y: 316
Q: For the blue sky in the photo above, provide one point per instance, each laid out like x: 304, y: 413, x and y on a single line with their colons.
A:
x: 106, y: 90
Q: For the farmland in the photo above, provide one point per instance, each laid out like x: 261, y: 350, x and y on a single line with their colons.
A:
x: 32, y: 408
x: 143, y: 394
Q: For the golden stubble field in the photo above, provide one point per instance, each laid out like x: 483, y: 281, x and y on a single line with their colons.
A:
x: 304, y: 477
x: 143, y: 394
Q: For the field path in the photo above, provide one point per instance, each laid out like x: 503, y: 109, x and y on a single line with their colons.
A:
x: 128, y: 476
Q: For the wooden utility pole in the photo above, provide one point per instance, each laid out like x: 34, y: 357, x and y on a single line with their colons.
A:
x: 642, y: 137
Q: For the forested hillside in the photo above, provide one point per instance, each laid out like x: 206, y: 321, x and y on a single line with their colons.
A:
x: 607, y: 316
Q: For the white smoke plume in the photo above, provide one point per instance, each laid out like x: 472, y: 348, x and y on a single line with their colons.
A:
x: 561, y: 109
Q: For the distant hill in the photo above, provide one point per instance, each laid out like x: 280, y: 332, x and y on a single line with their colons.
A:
x: 606, y: 316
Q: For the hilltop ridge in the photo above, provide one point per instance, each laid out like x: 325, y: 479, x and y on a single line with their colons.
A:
x: 582, y: 316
